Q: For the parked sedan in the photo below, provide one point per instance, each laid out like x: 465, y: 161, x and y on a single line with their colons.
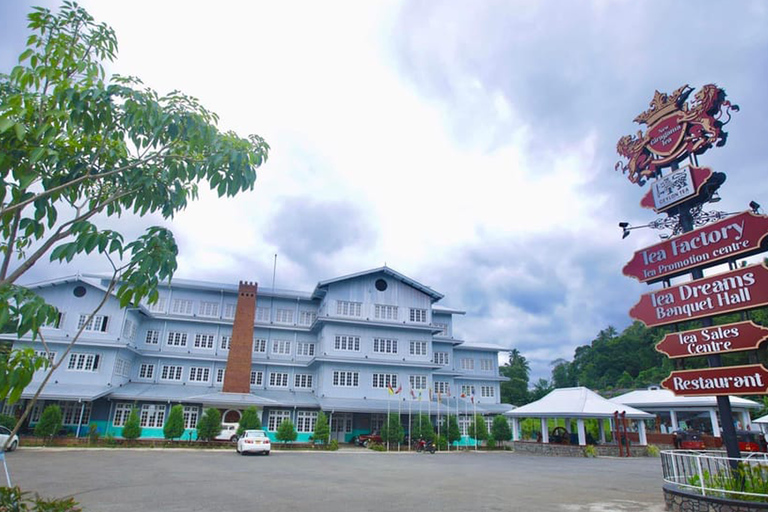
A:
x: 4, y: 434
x: 253, y: 441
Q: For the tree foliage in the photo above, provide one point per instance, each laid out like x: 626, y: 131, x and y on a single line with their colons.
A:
x: 76, y: 147
x: 500, y: 429
x: 209, y: 425
x: 518, y: 371
x: 322, y: 430
x: 174, y: 424
x: 50, y: 422
x: 422, y: 428
x: 249, y: 420
x: 453, y: 433
x: 132, y: 427
x: 392, y: 431
x: 286, y: 432
x: 478, y: 429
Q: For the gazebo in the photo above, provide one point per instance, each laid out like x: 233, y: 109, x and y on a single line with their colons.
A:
x: 577, y: 403
x: 676, y: 412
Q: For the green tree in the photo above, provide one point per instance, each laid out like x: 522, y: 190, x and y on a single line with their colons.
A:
x: 77, y: 147
x: 562, y: 374
x: 517, y: 370
x: 50, y: 422
x: 322, y: 430
x: 174, y: 424
x: 478, y: 429
x: 541, y: 388
x: 422, y: 428
x: 453, y: 433
x: 500, y: 429
x: 132, y: 427
x: 249, y: 420
x: 286, y: 432
x: 209, y: 425
x: 392, y: 430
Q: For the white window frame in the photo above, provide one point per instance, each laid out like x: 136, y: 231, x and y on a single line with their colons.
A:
x: 208, y: 309
x: 83, y: 362
x: 384, y: 312
x: 226, y: 342
x: 157, y: 307
x: 283, y: 316
x: 467, y: 363
x: 346, y: 379
x: 229, y: 310
x: 191, y: 414
x: 184, y: 307
x: 122, y: 367
x: 281, y: 347
x: 303, y: 380
x: 307, y: 317
x: 205, y: 341
x: 220, y: 372
x: 418, y: 315
x: 257, y: 378
x: 276, y: 417
x: 263, y: 314
x: 487, y: 391
x: 147, y: 371
x: 486, y: 365
x: 441, y: 358
x: 444, y: 329
x: 305, y: 421
x: 349, y: 308
x: 418, y: 348
x: 152, y: 337
x: 152, y: 415
x: 384, y: 380
x: 176, y: 339
x: 385, y: 345
x: 278, y: 379
x: 122, y: 411
x: 347, y: 343
x: 442, y: 387
x: 305, y: 349
x: 99, y: 323
x: 418, y: 382
x: 199, y: 374
x: 129, y: 329
x: 260, y: 345
x: 468, y: 389
x: 171, y: 372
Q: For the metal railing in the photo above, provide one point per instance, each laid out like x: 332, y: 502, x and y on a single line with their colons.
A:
x: 712, y: 473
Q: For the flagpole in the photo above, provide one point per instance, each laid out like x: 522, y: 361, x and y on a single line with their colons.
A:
x: 474, y: 403
x: 399, y: 404
x: 388, y: 433
x: 457, y: 419
x: 438, y: 420
x: 466, y: 414
x: 410, y: 429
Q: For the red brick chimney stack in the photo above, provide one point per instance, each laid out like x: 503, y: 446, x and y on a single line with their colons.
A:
x: 237, y: 378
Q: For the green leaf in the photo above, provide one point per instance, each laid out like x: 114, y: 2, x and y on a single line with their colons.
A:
x: 21, y: 131
x: 5, y: 124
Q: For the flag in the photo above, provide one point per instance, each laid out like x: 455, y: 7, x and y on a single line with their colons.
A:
x: 463, y: 395
x: 472, y: 398
x: 430, y: 394
x: 389, y: 388
x: 419, y: 396
x: 413, y: 395
x: 399, y: 389
x: 448, y: 392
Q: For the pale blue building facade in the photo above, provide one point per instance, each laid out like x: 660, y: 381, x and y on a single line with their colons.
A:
x: 339, y: 348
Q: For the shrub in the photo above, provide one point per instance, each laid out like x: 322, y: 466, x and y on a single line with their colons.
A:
x: 249, y: 420
x: 50, y: 422
x: 590, y: 451
x: 286, y: 432
x: 322, y: 431
x: 377, y: 447
x: 7, y: 421
x: 132, y: 427
x: 93, y: 433
x: 333, y: 445
x: 174, y: 425
x: 441, y: 442
x: 500, y: 429
x: 209, y: 425
x: 14, y: 499
x: 422, y: 428
x: 653, y: 450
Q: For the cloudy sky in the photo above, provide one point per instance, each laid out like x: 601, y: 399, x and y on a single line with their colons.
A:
x: 468, y: 145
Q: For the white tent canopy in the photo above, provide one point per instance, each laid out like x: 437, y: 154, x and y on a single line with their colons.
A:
x: 580, y: 403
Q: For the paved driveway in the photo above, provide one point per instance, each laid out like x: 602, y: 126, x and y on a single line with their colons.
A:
x: 344, y: 481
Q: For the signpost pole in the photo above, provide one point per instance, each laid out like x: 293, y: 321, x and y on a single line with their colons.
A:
x: 728, y: 431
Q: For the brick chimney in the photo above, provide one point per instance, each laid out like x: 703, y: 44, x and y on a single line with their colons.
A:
x: 237, y: 378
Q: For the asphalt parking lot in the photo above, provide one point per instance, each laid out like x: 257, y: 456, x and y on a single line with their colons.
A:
x: 117, y: 480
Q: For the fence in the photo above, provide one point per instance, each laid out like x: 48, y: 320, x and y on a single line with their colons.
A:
x: 712, y: 473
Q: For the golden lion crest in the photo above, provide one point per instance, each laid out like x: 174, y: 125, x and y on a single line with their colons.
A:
x: 675, y: 131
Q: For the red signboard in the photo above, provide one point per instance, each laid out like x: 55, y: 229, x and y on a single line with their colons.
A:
x: 730, y: 380
x: 741, y: 289
x: 718, y: 339
x: 740, y: 235
x: 699, y: 176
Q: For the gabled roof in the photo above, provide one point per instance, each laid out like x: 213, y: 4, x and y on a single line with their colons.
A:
x: 578, y: 402
x: 657, y: 398
x: 472, y: 345
x: 435, y: 296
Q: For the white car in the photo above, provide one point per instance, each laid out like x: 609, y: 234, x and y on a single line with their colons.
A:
x: 253, y: 441
x: 4, y: 433
x: 228, y: 432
